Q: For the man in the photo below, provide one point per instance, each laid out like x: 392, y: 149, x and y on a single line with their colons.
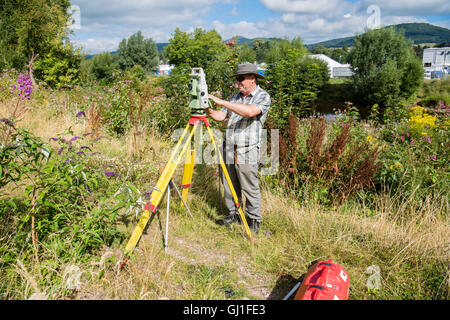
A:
x: 247, y: 111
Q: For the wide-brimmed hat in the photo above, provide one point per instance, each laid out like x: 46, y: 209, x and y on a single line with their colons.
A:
x: 248, y: 68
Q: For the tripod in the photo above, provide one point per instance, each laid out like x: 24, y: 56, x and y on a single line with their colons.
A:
x: 165, y: 180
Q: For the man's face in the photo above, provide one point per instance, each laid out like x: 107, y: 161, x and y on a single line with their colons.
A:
x: 246, y: 83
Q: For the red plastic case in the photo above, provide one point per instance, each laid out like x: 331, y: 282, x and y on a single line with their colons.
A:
x: 324, y: 280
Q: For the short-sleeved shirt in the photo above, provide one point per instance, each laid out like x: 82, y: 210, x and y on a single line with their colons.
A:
x: 245, y: 133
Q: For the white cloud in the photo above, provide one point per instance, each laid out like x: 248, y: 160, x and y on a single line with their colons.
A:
x: 410, y: 7
x: 301, y: 6
x: 109, y: 20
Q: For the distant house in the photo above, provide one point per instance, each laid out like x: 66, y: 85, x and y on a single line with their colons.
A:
x: 436, y: 61
x: 164, y: 69
x: 335, y: 69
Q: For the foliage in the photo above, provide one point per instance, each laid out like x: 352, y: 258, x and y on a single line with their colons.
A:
x: 196, y: 49
x: 187, y: 50
x: 59, y: 67
x: 136, y: 50
x: 337, y: 54
x: 386, y: 70
x: 102, y: 68
x: 293, y: 82
x: 34, y: 27
x: 327, y: 161
x: 415, y: 158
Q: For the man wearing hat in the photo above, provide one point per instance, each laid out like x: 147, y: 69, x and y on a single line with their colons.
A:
x: 246, y: 112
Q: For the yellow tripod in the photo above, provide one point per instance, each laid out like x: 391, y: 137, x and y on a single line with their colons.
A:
x: 181, y: 149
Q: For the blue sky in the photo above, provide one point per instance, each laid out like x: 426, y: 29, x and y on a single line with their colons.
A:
x: 104, y: 23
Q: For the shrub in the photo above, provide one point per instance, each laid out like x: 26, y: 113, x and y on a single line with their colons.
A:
x: 386, y: 70
x: 293, y: 83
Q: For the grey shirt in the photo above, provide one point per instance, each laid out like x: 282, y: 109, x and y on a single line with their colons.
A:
x: 245, y: 133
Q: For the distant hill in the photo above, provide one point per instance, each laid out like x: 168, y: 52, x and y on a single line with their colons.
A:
x: 417, y: 32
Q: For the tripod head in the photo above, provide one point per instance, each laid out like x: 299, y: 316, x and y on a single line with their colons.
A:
x: 198, y: 92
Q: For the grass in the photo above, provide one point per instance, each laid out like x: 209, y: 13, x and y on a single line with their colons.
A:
x: 406, y: 240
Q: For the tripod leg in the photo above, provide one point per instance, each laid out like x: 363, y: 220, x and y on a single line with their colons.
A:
x: 187, y: 173
x: 166, y: 239
x: 161, y: 186
x: 230, y: 184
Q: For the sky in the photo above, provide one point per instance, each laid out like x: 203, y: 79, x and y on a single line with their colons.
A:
x: 101, y: 24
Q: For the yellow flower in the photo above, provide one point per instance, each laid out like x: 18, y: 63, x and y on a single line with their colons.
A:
x: 369, y: 139
x: 398, y: 164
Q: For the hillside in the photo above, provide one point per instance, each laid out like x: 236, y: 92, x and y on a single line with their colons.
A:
x: 417, y: 32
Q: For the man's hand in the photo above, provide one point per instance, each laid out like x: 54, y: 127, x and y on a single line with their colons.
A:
x: 216, y: 100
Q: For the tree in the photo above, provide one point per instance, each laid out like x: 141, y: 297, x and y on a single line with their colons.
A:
x: 30, y: 27
x: 103, y: 66
x: 196, y: 49
x: 294, y: 82
x: 386, y: 69
x: 38, y: 29
x: 246, y: 54
x: 138, y: 51
x: 203, y: 49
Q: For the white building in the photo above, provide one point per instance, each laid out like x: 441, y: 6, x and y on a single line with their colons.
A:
x: 335, y: 69
x: 164, y: 69
x: 436, y: 60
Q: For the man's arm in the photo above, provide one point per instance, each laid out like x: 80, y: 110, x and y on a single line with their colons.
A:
x: 244, y: 110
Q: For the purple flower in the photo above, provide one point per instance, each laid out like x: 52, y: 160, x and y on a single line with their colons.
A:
x: 68, y: 160
x: 96, y: 139
x: 87, y: 134
x: 111, y: 174
x: 434, y: 157
x: 74, y: 138
x: 81, y: 113
x: 428, y: 139
x: 7, y: 122
x: 85, y: 147
x: 54, y: 139
x: 60, y: 150
x: 81, y: 152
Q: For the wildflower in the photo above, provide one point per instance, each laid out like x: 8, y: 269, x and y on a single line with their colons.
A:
x: 54, y: 139
x: 60, y: 150
x: 398, y: 164
x: 428, y: 139
x: 74, y: 138
x: 7, y: 122
x: 81, y: 113
x: 81, y: 152
x: 111, y: 174
x: 434, y: 157
x: 85, y: 147
x: 369, y: 139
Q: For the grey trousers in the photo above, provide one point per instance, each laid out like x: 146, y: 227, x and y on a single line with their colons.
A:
x: 245, y: 181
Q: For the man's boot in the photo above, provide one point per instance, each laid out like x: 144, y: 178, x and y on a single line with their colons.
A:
x: 254, y: 225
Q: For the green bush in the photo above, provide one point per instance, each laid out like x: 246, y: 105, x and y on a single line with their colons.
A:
x: 386, y: 70
x: 293, y: 83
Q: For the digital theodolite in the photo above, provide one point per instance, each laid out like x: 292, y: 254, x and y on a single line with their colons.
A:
x: 198, y: 92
